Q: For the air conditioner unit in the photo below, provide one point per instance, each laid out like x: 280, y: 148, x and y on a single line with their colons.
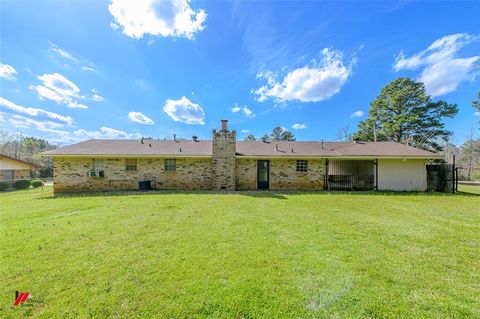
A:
x: 95, y: 173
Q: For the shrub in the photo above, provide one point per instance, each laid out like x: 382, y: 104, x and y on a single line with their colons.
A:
x: 36, y: 183
x: 3, y: 186
x: 22, y: 184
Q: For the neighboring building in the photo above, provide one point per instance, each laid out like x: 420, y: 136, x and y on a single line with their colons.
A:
x: 12, y: 169
x: 227, y: 164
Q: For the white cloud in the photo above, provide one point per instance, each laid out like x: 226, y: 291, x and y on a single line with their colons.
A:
x: 173, y: 18
x: 114, y: 26
x: 19, y: 121
x: 245, y: 110
x: 309, y: 83
x: 442, y: 70
x: 245, y: 131
x: 89, y: 68
x: 59, y: 89
x: 61, y: 52
x: 476, y: 113
x: 7, y: 72
x: 140, y: 118
x: 357, y: 114
x: 35, y: 112
x: 298, y: 126
x: 98, y: 98
x: 183, y: 110
x: 105, y: 132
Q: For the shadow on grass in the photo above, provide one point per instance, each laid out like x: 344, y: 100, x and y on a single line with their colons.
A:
x: 467, y: 193
x: 256, y: 194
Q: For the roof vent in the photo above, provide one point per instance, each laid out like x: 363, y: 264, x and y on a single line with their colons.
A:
x: 292, y: 150
x: 180, y: 149
x: 150, y: 145
x: 141, y: 141
x: 276, y: 147
x: 195, y: 138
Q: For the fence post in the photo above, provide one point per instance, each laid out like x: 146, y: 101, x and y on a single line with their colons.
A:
x: 453, y: 174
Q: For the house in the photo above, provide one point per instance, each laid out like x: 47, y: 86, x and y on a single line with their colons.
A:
x: 12, y: 169
x: 224, y: 163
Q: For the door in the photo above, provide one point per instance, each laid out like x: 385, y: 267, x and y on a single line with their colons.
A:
x: 263, y: 174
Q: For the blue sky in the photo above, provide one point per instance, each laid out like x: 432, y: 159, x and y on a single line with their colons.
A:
x: 123, y: 69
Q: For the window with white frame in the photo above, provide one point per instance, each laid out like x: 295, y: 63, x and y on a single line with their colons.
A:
x: 97, y: 164
x: 131, y: 164
x: 302, y: 166
x: 97, y: 168
x: 170, y: 165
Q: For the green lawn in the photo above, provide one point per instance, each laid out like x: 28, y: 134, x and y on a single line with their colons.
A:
x: 473, y: 189
x: 245, y: 255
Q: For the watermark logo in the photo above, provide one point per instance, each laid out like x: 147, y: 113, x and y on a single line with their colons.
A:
x: 26, y: 299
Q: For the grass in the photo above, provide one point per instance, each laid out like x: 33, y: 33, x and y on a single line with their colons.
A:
x: 472, y: 189
x: 244, y: 255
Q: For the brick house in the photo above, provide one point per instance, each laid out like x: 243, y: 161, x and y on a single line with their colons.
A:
x: 12, y: 169
x: 224, y: 163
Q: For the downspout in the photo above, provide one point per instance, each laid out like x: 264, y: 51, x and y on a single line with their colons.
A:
x: 376, y: 174
x: 326, y: 174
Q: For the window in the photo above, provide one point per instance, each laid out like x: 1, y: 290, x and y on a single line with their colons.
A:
x: 97, y: 164
x: 130, y: 165
x: 170, y: 165
x: 302, y: 166
x: 97, y: 168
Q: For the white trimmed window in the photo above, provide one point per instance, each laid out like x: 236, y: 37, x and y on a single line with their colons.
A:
x: 131, y: 164
x: 97, y: 168
x: 97, y: 164
x: 302, y: 166
x: 170, y: 165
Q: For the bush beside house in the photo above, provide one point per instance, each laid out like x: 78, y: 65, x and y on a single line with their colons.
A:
x: 22, y: 184
x: 36, y: 183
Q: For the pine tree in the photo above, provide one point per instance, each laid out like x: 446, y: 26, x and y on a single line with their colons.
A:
x: 404, y: 113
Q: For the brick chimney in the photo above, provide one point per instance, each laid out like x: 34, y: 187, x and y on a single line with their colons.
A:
x: 223, y: 158
x: 224, y: 125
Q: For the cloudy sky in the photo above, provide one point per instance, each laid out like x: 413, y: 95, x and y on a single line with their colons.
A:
x: 123, y: 69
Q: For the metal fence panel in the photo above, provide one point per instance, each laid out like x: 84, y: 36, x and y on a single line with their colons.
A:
x: 351, y: 175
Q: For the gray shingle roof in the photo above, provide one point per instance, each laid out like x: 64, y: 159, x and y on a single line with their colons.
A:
x: 244, y: 148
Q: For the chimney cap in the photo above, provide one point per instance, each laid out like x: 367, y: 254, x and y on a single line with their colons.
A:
x: 224, y: 125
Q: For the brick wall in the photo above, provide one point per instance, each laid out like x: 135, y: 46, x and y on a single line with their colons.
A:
x: 246, y: 174
x: 70, y: 174
x: 17, y: 174
x: 21, y: 174
x: 223, y: 160
x: 283, y: 174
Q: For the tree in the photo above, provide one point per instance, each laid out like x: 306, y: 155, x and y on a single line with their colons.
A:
x: 265, y: 138
x: 404, y: 113
x: 343, y: 134
x: 470, y: 154
x: 250, y: 137
x: 281, y: 134
x: 25, y: 148
x: 476, y: 103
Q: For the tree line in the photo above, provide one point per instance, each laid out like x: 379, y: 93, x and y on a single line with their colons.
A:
x: 25, y: 148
